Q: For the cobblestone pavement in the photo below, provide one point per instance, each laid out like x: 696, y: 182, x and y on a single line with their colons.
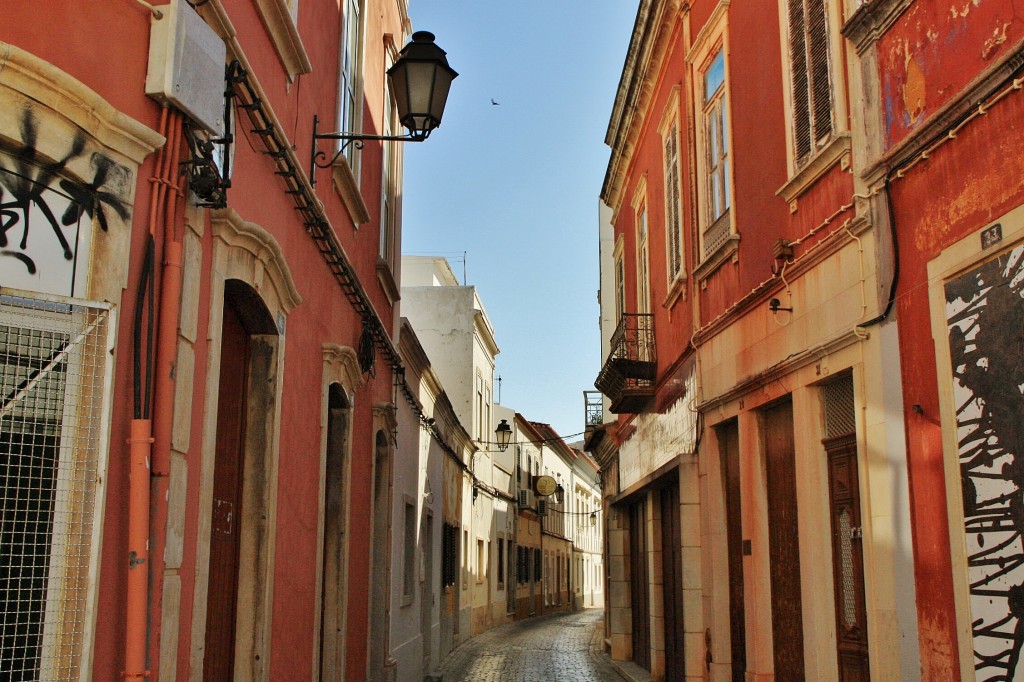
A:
x: 554, y: 648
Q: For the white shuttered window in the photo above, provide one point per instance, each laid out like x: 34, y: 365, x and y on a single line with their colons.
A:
x: 811, y: 77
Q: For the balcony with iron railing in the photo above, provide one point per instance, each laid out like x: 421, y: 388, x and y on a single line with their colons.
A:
x: 628, y: 375
x: 593, y: 429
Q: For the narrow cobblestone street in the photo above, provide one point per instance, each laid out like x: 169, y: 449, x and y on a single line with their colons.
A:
x: 564, y: 646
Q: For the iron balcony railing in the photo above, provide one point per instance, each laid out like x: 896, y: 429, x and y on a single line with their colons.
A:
x: 593, y: 404
x: 628, y: 375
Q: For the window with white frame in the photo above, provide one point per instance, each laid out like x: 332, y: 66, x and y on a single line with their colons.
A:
x: 810, y: 76
x: 643, y: 277
x: 409, y: 553
x: 501, y: 562
x: 620, y: 285
x: 714, y: 124
x: 479, y: 408
x: 673, y: 219
x: 390, y: 181
x: 486, y: 426
x: 54, y: 378
x: 350, y: 87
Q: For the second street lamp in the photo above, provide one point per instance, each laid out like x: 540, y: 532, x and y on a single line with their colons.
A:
x: 503, y: 435
x: 419, y: 80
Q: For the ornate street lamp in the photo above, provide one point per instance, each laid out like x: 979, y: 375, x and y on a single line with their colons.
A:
x: 503, y: 435
x: 420, y: 80
x: 559, y: 494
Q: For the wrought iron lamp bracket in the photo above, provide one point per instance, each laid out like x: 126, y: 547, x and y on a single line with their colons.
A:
x: 319, y: 158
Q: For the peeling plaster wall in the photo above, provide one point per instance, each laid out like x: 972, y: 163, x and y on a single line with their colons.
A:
x: 659, y: 438
x: 935, y: 50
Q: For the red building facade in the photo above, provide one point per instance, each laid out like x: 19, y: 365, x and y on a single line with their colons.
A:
x: 756, y: 482
x: 946, y: 137
x: 199, y: 376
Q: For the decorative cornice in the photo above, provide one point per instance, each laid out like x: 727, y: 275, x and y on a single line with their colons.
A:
x: 707, y: 31
x: 341, y: 363
x: 232, y: 229
x: 347, y: 188
x: 939, y: 122
x: 39, y: 80
x: 822, y: 162
x: 872, y: 20
x: 385, y: 416
x: 647, y: 48
x: 285, y: 35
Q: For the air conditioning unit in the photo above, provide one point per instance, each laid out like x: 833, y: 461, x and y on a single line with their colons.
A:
x: 542, y: 507
x: 525, y: 499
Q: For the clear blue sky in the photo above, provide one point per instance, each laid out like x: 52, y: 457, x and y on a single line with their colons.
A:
x: 516, y: 185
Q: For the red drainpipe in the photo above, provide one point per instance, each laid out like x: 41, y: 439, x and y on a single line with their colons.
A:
x: 137, y: 592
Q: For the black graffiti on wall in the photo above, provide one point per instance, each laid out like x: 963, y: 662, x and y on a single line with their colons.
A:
x: 29, y: 181
x: 986, y: 338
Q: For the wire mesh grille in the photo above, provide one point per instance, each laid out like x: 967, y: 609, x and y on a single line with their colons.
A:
x: 840, y: 417
x: 52, y: 368
x: 848, y: 588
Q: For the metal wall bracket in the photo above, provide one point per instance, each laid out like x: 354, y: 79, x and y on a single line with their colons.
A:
x: 319, y: 158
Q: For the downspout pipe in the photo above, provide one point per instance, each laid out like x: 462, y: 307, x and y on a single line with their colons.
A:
x: 139, y: 453
x: 138, y: 550
x: 164, y: 383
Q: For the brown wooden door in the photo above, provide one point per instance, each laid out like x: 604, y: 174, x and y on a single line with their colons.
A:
x: 847, y: 559
x: 333, y: 589
x: 672, y: 570
x: 783, y: 544
x: 729, y: 453
x: 225, y: 533
x: 638, y: 584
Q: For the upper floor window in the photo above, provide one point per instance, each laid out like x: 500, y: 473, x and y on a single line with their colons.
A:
x: 486, y: 426
x: 643, y: 278
x: 673, y: 222
x: 620, y: 285
x: 716, y: 139
x: 709, y: 71
x: 479, y: 408
x: 389, y: 182
x: 350, y: 88
x: 811, y: 77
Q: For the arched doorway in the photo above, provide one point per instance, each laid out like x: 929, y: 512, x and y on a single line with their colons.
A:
x: 333, y: 590
x: 379, y: 568
x: 243, y: 486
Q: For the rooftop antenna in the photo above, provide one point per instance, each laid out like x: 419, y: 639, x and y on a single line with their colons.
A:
x: 464, y: 282
x: 499, y: 389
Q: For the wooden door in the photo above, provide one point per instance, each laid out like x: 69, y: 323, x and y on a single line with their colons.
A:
x: 672, y: 571
x: 640, y: 610
x: 333, y: 588
x: 225, y: 533
x: 783, y: 542
x: 847, y: 559
x: 427, y: 597
x: 729, y: 454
